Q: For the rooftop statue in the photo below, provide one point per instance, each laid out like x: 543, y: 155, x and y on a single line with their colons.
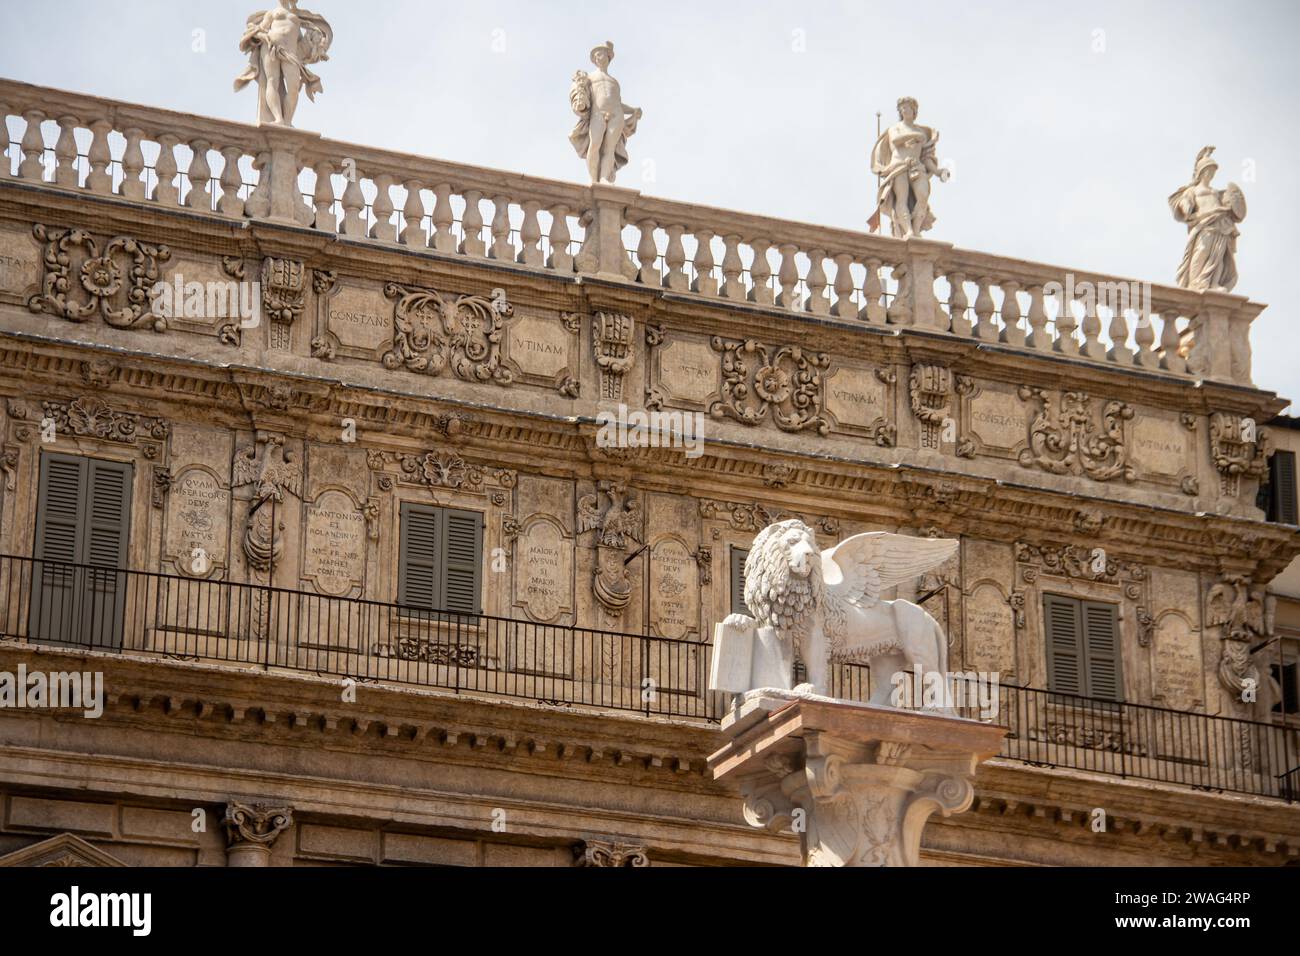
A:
x: 827, y: 605
x: 281, y: 44
x: 604, y: 121
x: 904, y: 159
x: 1210, y: 260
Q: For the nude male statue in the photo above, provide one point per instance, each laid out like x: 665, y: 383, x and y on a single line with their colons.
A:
x: 904, y: 159
x: 604, y: 121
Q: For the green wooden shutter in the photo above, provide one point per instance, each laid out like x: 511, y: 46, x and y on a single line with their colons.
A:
x: 83, y: 517
x: 1282, y: 488
x: 738, y: 605
x: 418, y: 584
x: 462, y: 564
x: 1101, y: 650
x: 1062, y: 631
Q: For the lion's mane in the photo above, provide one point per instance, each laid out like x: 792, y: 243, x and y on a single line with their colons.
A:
x: 775, y: 597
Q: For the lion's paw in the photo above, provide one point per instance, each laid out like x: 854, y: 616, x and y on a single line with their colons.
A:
x: 804, y: 690
x: 740, y: 622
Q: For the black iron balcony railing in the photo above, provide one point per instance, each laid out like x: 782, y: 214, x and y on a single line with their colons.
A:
x: 104, y: 609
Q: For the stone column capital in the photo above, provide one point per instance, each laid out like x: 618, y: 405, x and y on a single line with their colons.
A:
x: 251, y: 830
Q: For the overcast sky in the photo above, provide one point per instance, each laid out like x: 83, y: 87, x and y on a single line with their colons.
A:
x: 1066, y: 125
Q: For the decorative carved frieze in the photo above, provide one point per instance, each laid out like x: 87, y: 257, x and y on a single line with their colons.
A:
x: 1237, y: 447
x: 99, y: 372
x: 612, y: 341
x: 788, y: 384
x: 440, y: 470
x: 82, y: 278
x: 752, y: 516
x: 1070, y: 441
x: 1075, y: 561
x: 93, y: 418
x: 283, y: 296
x: 433, y: 331
x: 609, y: 853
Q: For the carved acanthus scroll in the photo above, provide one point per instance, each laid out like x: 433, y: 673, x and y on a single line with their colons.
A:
x: 1069, y: 441
x: 433, y: 331
x: 788, y: 384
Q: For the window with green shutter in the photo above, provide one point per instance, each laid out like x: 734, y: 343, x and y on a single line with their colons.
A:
x: 1281, y: 505
x: 440, y: 563
x: 83, y: 524
x: 1083, y: 649
x: 738, y: 605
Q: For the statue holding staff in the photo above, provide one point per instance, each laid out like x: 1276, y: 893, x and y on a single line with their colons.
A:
x: 904, y: 159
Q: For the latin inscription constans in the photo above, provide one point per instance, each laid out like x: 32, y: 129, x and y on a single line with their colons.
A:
x: 998, y: 419
x: 358, y: 319
x: 335, y: 543
x: 543, y: 572
x: 197, y: 520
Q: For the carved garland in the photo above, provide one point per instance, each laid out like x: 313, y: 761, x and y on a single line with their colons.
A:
x: 114, y: 281
x: 788, y: 383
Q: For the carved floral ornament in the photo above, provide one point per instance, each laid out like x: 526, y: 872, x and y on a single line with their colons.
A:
x: 1086, y: 564
x: 752, y: 516
x: 93, y: 418
x: 612, y: 341
x: 1070, y: 440
x: 258, y: 823
x: 931, y: 389
x: 440, y: 470
x: 433, y: 331
x: 83, y: 278
x: 788, y: 383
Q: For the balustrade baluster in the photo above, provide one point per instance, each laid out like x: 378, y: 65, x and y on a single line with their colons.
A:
x: 1092, y: 347
x: 1012, y: 333
x: 985, y: 330
x: 502, y: 248
x: 647, y: 255
x: 561, y: 259
x: 844, y: 288
x: 817, y: 301
x: 165, y: 191
x: 259, y: 201
x: 873, y: 291
x: 1145, y: 337
x: 230, y: 203
x: 1066, y: 323
x: 444, y: 239
x: 1039, y: 336
x: 472, y: 224
x: 1171, y: 343
x: 5, y: 163
x: 900, y: 309
x: 33, y: 147
x: 354, y: 206
x: 1118, y: 332
x: 199, y: 174
x: 675, y: 259
x: 65, y: 154
x: 133, y: 186
x: 98, y: 180
x: 530, y: 235
x: 788, y: 276
x: 383, y: 229
x: 705, y: 283
x: 733, y: 285
x: 959, y: 322
x: 413, y: 212
x: 323, y: 198
x: 760, y: 274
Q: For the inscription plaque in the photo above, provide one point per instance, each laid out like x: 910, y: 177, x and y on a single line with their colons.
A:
x: 855, y: 397
x: 1160, y: 445
x: 688, y: 371
x: 334, y: 556
x: 360, y: 319
x: 999, y: 421
x: 674, y: 590
x: 990, y: 631
x: 543, y: 572
x: 1179, y: 679
x: 198, y: 517
x: 539, y: 346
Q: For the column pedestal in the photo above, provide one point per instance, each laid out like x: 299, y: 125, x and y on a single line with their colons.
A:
x: 857, y: 783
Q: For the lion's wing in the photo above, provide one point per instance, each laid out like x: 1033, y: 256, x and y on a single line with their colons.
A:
x: 863, y: 567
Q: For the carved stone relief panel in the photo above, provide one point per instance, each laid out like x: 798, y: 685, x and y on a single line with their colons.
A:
x: 196, y: 522
x: 684, y: 372
x: 1238, y: 448
x: 860, y: 401
x: 85, y: 278
x: 334, y: 544
x: 1177, y: 660
x: 540, y: 350
x: 202, y: 295
x: 539, y: 541
x: 934, y: 393
x: 1164, y: 450
x: 1073, y: 434
x: 782, y: 384
x: 353, y: 320
x: 997, y: 421
x: 20, y: 265
x: 435, y: 331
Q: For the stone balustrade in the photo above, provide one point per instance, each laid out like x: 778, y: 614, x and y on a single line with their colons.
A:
x: 132, y: 153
